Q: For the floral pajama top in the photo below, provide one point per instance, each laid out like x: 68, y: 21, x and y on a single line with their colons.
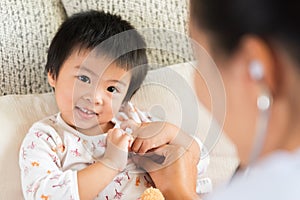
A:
x: 51, y: 154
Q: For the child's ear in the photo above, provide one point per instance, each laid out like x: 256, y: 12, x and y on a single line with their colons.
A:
x: 51, y: 80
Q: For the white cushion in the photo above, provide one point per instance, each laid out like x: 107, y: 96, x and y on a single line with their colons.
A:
x: 18, y: 112
x: 164, y: 93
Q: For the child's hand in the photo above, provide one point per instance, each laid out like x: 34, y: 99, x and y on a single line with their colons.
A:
x: 119, y: 139
x: 131, y: 117
x: 129, y: 126
x: 150, y: 136
x: 116, y: 154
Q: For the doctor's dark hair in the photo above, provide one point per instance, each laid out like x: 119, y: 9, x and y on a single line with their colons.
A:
x: 229, y: 20
x: 109, y: 35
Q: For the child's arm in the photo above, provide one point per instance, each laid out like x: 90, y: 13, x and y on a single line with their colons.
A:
x: 94, y: 178
x: 40, y: 165
x: 43, y: 177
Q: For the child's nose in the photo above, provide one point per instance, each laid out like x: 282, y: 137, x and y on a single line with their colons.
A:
x: 98, y: 97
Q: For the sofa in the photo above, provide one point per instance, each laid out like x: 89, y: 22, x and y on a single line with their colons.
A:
x: 27, y: 28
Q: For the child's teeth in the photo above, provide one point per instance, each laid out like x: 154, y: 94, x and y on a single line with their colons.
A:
x: 86, y: 111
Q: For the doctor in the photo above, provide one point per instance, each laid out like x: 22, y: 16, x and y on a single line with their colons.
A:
x: 255, y: 45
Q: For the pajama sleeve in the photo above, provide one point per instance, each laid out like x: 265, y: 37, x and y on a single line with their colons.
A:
x: 40, y: 165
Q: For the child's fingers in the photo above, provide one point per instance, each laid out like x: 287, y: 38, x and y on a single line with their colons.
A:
x: 129, y: 124
x: 114, y: 133
x: 121, y: 116
x: 130, y: 141
x: 120, y: 138
x: 132, y: 113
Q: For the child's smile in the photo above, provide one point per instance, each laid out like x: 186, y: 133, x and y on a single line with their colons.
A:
x: 85, y: 113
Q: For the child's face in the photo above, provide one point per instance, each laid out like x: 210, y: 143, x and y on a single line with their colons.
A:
x: 88, y: 93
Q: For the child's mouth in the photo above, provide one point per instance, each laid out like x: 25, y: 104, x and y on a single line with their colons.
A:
x: 85, y: 112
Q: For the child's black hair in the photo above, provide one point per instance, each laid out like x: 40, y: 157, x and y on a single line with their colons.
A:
x: 89, y: 30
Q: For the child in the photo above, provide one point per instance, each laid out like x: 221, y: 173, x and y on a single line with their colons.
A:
x: 94, y: 68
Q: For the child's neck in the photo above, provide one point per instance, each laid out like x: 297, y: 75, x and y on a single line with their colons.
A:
x: 97, y: 130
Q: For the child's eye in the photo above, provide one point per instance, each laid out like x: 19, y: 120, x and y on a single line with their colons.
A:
x: 112, y: 89
x: 84, y: 79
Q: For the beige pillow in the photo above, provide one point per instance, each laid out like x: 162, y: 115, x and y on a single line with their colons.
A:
x: 18, y: 112
x: 164, y: 93
x: 171, y: 15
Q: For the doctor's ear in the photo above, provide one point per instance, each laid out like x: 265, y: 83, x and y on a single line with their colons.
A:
x: 256, y: 70
x: 262, y: 62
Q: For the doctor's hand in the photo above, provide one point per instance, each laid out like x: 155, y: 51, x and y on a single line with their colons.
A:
x: 176, y: 175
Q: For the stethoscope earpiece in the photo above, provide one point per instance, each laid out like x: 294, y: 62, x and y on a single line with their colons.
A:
x: 263, y: 102
x: 256, y: 70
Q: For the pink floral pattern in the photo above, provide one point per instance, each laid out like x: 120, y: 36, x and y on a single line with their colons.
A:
x: 50, y: 159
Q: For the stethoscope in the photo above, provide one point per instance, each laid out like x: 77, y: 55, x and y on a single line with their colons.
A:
x: 264, y: 102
